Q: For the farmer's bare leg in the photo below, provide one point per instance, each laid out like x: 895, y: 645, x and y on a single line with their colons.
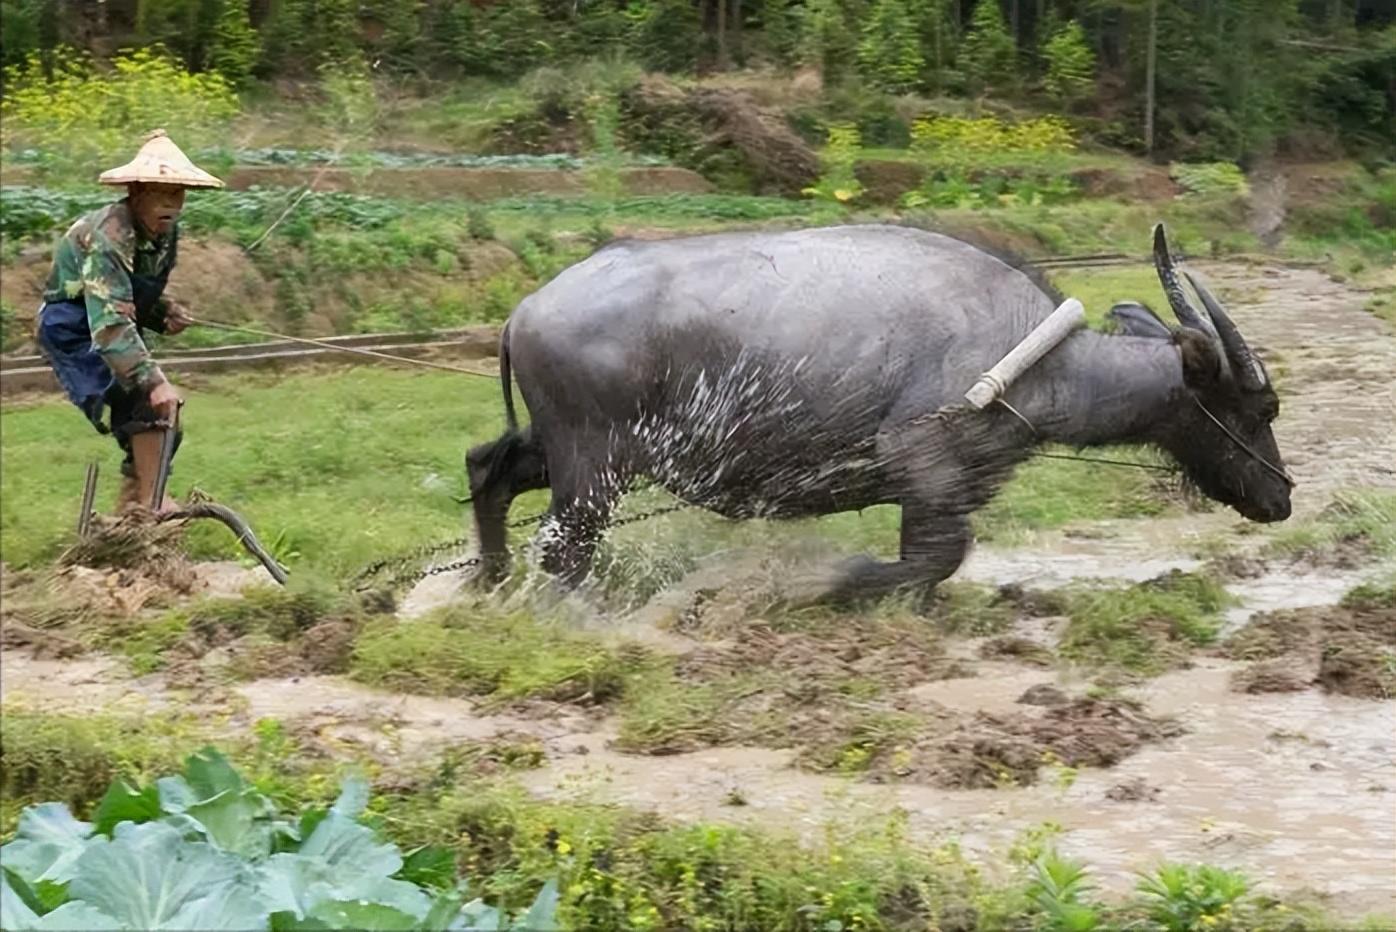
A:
x: 145, y: 451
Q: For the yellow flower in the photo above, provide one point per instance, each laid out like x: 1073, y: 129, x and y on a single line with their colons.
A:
x: 563, y: 847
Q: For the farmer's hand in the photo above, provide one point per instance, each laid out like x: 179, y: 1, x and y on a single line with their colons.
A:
x: 164, y: 400
x: 176, y: 318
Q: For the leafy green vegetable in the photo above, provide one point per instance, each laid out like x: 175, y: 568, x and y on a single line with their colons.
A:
x: 148, y: 876
x: 207, y: 850
x: 47, y: 845
x: 126, y: 803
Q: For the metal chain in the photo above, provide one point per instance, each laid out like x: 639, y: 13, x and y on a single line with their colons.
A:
x: 418, y: 553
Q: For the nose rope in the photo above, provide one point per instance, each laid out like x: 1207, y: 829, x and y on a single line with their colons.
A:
x: 1231, y: 435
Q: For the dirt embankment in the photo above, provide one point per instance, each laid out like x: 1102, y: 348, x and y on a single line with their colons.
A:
x: 217, y: 280
x: 477, y: 184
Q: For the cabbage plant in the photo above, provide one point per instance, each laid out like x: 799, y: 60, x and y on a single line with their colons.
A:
x: 206, y: 850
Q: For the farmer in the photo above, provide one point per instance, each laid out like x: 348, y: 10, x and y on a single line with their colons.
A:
x: 105, y: 288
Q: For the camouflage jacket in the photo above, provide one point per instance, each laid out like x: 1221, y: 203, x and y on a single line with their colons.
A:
x: 93, y: 263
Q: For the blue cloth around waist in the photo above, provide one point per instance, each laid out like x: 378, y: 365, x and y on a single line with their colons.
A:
x: 66, y: 340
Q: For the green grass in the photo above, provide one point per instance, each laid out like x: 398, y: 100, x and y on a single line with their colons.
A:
x: 463, y: 651
x: 1147, y: 627
x: 343, y: 465
x: 1101, y: 288
x: 1360, y: 520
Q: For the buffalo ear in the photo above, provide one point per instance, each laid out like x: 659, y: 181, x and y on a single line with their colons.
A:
x: 1202, y: 362
x: 1137, y: 320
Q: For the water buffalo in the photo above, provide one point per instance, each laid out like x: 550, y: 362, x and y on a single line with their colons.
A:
x: 823, y: 370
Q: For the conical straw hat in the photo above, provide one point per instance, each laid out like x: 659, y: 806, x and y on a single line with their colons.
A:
x: 160, y: 161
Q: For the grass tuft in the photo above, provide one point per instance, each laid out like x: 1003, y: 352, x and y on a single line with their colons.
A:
x: 1147, y: 627
x: 466, y: 651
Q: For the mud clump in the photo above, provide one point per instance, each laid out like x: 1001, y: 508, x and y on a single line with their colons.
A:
x: 1269, y: 676
x: 989, y: 751
x: 1132, y: 791
x: 1352, y: 646
x: 1024, y: 650
x: 151, y: 553
x: 1274, y: 634
x: 1354, y: 664
x: 1043, y: 694
x: 328, y: 646
x: 894, y: 657
x: 44, y: 645
x: 1236, y: 566
x: 1034, y: 603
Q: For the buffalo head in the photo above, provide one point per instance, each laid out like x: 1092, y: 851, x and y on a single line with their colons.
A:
x: 1220, y: 433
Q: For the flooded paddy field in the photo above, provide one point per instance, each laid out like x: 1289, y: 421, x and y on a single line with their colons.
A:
x: 1184, y: 687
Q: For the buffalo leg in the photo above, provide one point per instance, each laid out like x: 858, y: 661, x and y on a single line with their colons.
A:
x: 933, y: 545
x: 584, y: 494
x: 499, y: 472
x: 940, y: 490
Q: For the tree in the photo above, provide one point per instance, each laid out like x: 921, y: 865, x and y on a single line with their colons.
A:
x: 1070, y: 64
x: 890, y: 53
x: 665, y: 34
x: 235, y: 46
x: 334, y: 27
x: 939, y: 35
x: 990, y: 57
x: 827, y: 39
x: 1151, y: 70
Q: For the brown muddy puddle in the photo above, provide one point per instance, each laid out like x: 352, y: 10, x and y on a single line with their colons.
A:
x: 1298, y: 791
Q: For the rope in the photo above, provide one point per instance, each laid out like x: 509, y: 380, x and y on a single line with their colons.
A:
x: 359, y: 351
x: 1104, y: 462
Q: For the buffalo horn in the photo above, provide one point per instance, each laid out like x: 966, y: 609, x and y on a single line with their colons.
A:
x: 1237, y: 352
x: 1187, y: 314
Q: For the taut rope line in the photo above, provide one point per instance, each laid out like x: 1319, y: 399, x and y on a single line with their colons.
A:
x: 426, y: 363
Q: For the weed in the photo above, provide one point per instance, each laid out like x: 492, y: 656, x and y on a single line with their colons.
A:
x: 869, y: 735
x: 664, y: 714
x: 1374, y: 595
x: 839, y: 184
x: 971, y: 609
x: 1183, y: 898
x: 1363, y: 521
x: 73, y: 758
x: 1144, y: 627
x: 1057, y: 891
x: 479, y: 652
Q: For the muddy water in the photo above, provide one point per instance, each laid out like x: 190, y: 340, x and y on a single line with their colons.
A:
x: 1295, y: 790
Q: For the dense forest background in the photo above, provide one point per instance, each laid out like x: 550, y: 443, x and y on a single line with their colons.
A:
x: 1181, y: 79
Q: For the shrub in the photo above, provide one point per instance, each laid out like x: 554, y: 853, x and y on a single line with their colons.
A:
x: 969, y: 140
x: 81, y: 121
x: 665, y: 34
x: 839, y: 183
x: 235, y: 48
x: 1210, y: 177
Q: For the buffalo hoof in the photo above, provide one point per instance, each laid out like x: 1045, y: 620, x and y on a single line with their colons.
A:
x: 841, y: 585
x: 492, y: 570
